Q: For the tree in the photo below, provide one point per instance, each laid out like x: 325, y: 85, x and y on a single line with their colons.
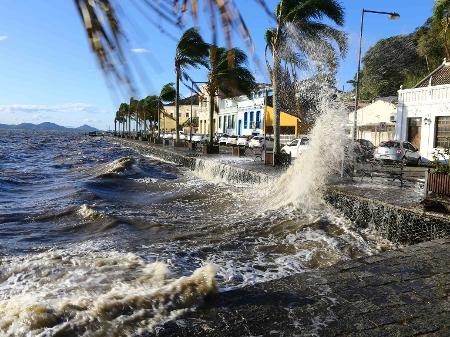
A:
x: 124, y: 113
x: 167, y: 96
x: 297, y: 37
x: 390, y: 63
x: 441, y: 19
x: 227, y: 75
x: 131, y: 113
x: 429, y: 45
x: 191, y: 51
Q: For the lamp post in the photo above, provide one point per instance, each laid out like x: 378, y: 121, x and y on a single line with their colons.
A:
x: 392, y: 16
x: 192, y: 98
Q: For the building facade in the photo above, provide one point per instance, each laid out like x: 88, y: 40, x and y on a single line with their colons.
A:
x: 423, y: 113
x: 376, y: 121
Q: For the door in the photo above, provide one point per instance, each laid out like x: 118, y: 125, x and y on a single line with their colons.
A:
x: 240, y: 127
x: 414, y: 131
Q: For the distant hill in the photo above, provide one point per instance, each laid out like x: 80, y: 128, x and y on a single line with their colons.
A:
x: 46, y: 126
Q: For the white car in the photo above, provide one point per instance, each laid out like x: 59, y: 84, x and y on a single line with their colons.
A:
x: 259, y: 142
x: 296, y: 147
x: 199, y: 138
x: 167, y: 136
x: 242, y: 141
x: 232, y: 140
x: 223, y: 140
x: 181, y: 135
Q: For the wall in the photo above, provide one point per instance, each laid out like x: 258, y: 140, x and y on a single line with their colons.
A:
x: 426, y: 103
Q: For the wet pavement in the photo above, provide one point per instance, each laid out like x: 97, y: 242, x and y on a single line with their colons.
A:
x: 404, y: 292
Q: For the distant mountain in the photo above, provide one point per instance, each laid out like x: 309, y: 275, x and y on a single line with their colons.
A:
x: 46, y: 126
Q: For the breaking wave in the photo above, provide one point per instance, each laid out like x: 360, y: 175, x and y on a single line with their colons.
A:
x: 122, y: 294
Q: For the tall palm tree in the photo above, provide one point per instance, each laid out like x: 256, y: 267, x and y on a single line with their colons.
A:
x: 131, y: 113
x: 228, y: 75
x: 441, y: 18
x: 299, y: 21
x: 124, y: 112
x: 191, y: 51
x: 166, y: 96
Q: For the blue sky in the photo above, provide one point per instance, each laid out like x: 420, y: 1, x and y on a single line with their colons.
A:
x: 47, y: 72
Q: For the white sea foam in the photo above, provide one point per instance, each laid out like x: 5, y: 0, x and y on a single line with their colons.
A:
x: 87, y: 293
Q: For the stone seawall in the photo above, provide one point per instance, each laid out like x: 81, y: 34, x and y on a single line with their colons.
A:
x: 397, y: 224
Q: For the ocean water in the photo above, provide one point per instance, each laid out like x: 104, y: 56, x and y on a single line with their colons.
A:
x: 98, y: 240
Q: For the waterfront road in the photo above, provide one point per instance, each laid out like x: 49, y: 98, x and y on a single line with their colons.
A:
x: 399, y: 293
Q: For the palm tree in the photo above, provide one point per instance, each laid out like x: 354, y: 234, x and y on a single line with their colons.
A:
x: 124, y: 111
x: 131, y: 113
x: 441, y: 18
x: 167, y: 96
x: 298, y: 21
x: 191, y: 51
x: 228, y: 75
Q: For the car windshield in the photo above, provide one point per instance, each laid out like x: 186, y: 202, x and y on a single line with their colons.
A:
x: 389, y: 144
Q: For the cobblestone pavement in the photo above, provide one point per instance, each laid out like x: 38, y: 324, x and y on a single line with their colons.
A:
x: 397, y: 293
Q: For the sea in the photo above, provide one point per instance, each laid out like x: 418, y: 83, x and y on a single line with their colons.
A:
x: 97, y: 239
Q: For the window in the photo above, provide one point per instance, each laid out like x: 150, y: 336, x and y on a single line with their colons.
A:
x: 232, y: 122
x: 251, y: 118
x: 229, y: 122
x: 187, y: 114
x: 442, y: 131
x: 245, y: 120
x: 258, y: 119
x: 220, y: 122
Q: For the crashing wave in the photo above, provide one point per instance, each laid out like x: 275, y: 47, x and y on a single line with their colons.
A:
x: 118, y: 166
x: 121, y: 294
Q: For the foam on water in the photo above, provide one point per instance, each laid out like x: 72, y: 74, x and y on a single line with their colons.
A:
x: 82, y: 293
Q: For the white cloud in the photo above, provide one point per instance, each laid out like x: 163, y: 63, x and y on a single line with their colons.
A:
x: 140, y: 50
x: 3, y: 37
x: 43, y: 108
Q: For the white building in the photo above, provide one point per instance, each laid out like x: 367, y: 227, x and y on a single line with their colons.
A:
x: 423, y: 113
x: 250, y: 117
x: 228, y: 114
x: 376, y: 121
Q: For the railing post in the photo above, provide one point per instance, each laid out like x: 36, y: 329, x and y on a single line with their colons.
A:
x: 425, y: 194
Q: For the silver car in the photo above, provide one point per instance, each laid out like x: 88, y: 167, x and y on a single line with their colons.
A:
x: 398, y: 151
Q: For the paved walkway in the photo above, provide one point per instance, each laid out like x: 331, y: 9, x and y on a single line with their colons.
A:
x: 397, y: 293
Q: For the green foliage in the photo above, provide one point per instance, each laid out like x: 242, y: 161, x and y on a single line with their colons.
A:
x: 392, y: 62
x: 441, y: 163
x: 429, y: 45
x: 168, y: 93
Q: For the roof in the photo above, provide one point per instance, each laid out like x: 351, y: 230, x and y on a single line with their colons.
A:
x: 440, y: 76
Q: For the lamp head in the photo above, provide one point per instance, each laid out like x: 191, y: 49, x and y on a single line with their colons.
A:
x: 394, y: 16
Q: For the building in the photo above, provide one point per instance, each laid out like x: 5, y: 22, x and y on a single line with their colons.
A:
x: 250, y: 114
x: 168, y: 117
x: 376, y: 121
x: 228, y: 114
x: 423, y: 113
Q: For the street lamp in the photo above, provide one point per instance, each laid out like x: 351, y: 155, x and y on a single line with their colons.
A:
x: 392, y: 16
x: 192, y: 98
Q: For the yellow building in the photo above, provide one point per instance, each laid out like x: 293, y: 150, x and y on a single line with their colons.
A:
x: 289, y: 124
x: 168, y: 117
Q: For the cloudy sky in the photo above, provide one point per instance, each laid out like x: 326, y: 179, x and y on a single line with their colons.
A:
x: 47, y: 72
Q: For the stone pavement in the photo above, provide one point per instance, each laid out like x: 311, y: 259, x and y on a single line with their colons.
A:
x: 405, y: 292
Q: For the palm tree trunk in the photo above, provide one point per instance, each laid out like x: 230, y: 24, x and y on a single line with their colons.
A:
x: 276, y: 111
x: 177, y: 105
x: 115, y: 126
x: 129, y: 124
x: 211, y: 116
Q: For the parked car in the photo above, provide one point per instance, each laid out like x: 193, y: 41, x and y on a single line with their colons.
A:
x: 232, y: 140
x: 181, y: 133
x: 259, y: 142
x: 296, y: 147
x: 223, y: 139
x: 199, y: 138
x: 242, y: 141
x: 394, y: 150
x: 167, y: 136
